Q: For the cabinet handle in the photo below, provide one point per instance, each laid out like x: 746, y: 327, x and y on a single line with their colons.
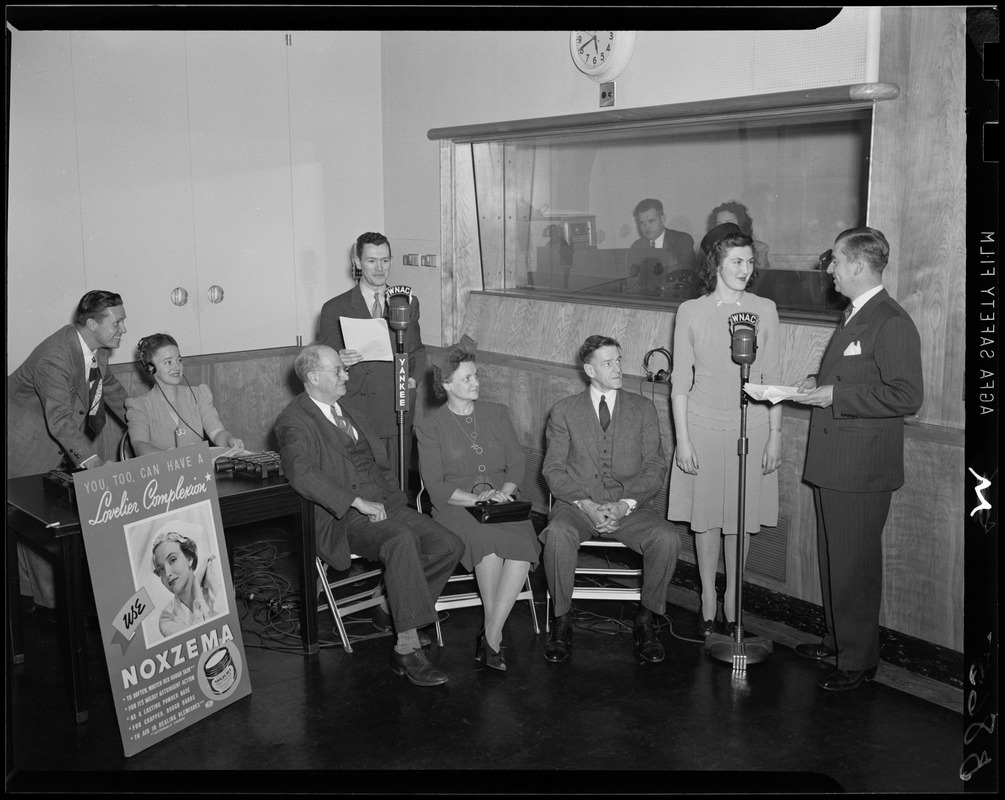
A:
x: 179, y: 296
x: 215, y: 294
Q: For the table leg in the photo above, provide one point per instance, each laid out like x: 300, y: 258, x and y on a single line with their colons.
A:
x: 304, y: 524
x: 71, y: 618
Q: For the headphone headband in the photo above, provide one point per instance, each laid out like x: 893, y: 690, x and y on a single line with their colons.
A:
x: 662, y: 375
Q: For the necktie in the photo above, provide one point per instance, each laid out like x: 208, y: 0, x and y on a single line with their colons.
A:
x: 375, y: 311
x: 847, y: 314
x: 652, y: 243
x: 96, y: 409
x: 343, y: 424
x: 605, y: 414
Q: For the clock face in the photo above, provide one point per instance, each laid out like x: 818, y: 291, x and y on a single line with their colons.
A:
x: 601, y: 54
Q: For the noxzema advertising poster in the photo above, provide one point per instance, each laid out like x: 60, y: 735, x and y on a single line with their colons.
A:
x: 163, y: 591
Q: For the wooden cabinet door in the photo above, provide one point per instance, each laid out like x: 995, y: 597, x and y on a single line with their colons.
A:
x: 45, y: 258
x: 241, y: 185
x: 131, y: 111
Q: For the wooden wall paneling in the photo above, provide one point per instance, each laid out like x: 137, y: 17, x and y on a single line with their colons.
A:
x: 918, y: 191
x: 923, y: 545
x: 250, y: 389
x: 490, y: 192
x: 923, y: 541
x: 520, y: 233
x: 795, y: 502
x: 449, y: 186
x: 467, y: 274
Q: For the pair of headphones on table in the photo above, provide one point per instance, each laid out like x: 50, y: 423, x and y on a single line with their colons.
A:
x: 662, y: 375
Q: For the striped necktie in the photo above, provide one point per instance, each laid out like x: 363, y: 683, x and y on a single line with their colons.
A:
x: 847, y: 314
x: 343, y: 425
x: 96, y: 409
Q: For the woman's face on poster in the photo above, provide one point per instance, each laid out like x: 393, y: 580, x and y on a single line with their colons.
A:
x: 172, y: 567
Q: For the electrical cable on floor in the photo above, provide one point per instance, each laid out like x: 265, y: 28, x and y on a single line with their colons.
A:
x: 270, y: 607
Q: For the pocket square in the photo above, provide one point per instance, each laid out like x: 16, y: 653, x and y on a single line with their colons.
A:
x: 854, y: 349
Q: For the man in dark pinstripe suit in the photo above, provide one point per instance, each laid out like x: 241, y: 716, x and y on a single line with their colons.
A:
x: 869, y: 380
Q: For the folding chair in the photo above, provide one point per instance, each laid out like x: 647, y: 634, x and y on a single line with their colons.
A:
x: 350, y: 604
x: 593, y: 591
x: 471, y: 597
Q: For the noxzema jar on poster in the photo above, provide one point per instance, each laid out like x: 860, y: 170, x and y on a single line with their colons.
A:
x: 163, y: 591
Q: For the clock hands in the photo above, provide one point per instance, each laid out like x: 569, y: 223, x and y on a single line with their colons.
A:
x: 591, y: 39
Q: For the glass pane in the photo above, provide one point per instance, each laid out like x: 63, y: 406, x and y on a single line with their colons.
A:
x: 577, y: 223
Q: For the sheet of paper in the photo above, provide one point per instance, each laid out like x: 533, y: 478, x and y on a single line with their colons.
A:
x: 369, y: 337
x: 773, y: 394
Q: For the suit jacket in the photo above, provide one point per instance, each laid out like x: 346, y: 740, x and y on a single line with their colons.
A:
x: 572, y: 462
x: 317, y: 462
x: 874, y: 365
x: 47, y: 405
x: 372, y: 384
x: 677, y: 246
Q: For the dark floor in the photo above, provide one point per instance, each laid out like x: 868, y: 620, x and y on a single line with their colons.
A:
x: 339, y: 723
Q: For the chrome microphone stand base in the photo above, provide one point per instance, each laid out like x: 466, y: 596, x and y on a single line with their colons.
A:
x: 738, y: 650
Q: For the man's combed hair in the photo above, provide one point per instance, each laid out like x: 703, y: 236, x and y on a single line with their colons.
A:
x: 593, y: 344
x: 868, y: 244
x: 94, y: 304
x: 370, y: 237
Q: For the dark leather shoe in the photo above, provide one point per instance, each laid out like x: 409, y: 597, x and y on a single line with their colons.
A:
x: 706, y: 627
x: 382, y: 622
x: 416, y: 667
x: 485, y: 656
x: 816, y: 652
x: 841, y: 680
x: 559, y: 645
x: 650, y: 648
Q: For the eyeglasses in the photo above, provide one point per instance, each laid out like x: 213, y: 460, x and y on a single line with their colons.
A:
x: 337, y: 371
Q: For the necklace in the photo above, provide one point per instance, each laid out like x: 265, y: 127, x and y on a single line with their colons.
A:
x: 472, y: 436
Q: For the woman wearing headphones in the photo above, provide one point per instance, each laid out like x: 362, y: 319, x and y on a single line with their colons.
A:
x: 168, y: 416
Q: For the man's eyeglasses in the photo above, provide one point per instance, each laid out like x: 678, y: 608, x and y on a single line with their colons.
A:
x: 337, y: 371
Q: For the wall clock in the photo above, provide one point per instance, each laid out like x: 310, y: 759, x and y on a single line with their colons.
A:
x: 602, y: 55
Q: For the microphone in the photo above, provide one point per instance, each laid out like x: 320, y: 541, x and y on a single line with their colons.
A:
x: 744, y: 344
x: 398, y: 300
x: 743, y: 328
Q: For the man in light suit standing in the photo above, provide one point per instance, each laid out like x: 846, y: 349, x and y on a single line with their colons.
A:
x: 332, y: 458
x: 56, y: 403
x: 604, y: 465
x: 372, y: 384
x: 869, y: 380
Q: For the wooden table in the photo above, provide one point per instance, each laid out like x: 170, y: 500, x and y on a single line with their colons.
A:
x: 47, y: 521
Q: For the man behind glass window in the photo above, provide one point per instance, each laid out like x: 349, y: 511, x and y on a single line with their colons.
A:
x: 663, y: 250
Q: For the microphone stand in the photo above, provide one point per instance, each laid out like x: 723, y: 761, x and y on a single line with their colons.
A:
x: 736, y: 650
x: 401, y: 373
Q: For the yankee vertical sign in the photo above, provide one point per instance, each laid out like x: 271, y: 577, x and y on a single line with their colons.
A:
x: 163, y: 591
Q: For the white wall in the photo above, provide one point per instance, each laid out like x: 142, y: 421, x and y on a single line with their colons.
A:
x: 140, y: 161
x: 361, y: 104
x: 438, y: 79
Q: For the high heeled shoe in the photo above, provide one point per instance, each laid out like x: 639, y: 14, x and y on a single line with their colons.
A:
x: 706, y: 627
x: 485, y: 656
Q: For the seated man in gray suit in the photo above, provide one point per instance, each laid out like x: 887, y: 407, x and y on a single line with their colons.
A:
x: 56, y: 403
x: 604, y: 465
x: 333, y: 458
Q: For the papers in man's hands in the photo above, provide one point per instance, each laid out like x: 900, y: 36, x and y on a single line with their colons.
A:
x: 773, y: 394
x: 368, y: 336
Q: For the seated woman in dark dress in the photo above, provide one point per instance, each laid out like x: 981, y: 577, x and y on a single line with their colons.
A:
x: 468, y: 453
